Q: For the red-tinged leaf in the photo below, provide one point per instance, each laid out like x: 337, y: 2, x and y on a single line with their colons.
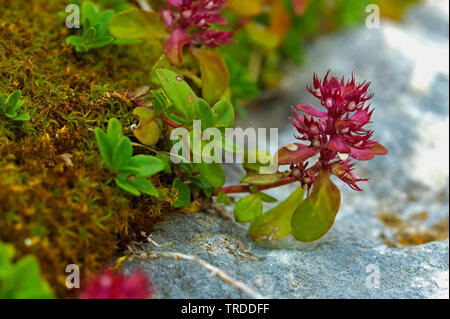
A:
x: 279, y: 21
x: 368, y: 154
x: 299, y: 6
x: 215, y: 74
x: 316, y: 215
x: 174, y: 46
x: 294, y: 154
x: 379, y: 149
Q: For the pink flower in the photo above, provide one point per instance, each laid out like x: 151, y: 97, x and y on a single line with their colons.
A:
x: 190, y: 22
x: 338, y: 133
x: 112, y: 285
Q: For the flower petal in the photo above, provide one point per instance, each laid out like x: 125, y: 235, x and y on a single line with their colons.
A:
x: 337, y: 144
x: 362, y: 116
x: 175, y: 3
x: 311, y: 111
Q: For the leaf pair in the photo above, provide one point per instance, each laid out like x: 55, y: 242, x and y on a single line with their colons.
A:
x: 11, y: 107
x: 179, y: 92
x: 21, y: 279
x: 132, y: 171
x: 308, y: 220
x: 250, y: 207
x: 95, y: 28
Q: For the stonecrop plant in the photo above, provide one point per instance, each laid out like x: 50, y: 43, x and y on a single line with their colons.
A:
x: 125, y: 122
x: 11, y: 107
x: 331, y: 141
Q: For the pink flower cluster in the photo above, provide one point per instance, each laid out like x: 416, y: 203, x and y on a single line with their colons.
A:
x: 190, y: 22
x: 337, y: 134
x: 112, y: 285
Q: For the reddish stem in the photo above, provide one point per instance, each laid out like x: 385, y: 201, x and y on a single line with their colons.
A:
x: 246, y: 188
x: 162, y: 117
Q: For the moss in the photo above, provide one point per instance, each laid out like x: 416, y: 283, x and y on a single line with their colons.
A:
x: 64, y: 208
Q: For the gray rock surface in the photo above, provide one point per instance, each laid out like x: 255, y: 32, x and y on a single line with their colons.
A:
x: 408, y: 67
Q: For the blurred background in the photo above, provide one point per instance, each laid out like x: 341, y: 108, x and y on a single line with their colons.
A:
x: 407, y: 62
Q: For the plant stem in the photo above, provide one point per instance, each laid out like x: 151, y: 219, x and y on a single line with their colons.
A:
x: 246, y: 188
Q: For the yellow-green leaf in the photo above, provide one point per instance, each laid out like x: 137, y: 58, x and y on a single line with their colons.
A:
x: 215, y: 74
x: 147, y: 132
x: 315, y: 216
x: 137, y: 24
x: 248, y: 208
x: 276, y: 223
x: 263, y: 179
x: 247, y: 8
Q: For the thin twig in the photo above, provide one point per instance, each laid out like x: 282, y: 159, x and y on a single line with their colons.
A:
x: 154, y: 243
x: 213, y: 270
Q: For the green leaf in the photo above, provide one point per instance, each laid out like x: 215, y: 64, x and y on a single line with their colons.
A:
x: 159, y: 102
x: 137, y: 24
x: 202, y: 184
x: 248, y: 208
x: 227, y: 145
x: 179, y: 92
x: 22, y: 279
x: 167, y: 162
x: 22, y: 117
x: 100, y: 42
x: 104, y: 147
x: 267, y: 198
x: 143, y: 185
x: 213, y: 173
x: 262, y: 36
x: 89, y: 13
x: 315, y: 216
x: 276, y: 223
x: 2, y: 101
x: 206, y: 114
x: 224, y: 116
x: 123, y: 183
x: 183, y: 192
x: 114, y: 131
x: 223, y: 198
x: 215, y: 74
x: 147, y: 165
x: 12, y: 100
x: 122, y: 153
x: 89, y: 36
x: 263, y: 179
x: 255, y: 159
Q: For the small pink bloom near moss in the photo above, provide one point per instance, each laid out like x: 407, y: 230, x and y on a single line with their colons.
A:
x: 113, y: 285
x: 190, y: 22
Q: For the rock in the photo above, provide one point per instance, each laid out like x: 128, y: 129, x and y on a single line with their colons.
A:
x: 338, y: 266
x: 408, y: 67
